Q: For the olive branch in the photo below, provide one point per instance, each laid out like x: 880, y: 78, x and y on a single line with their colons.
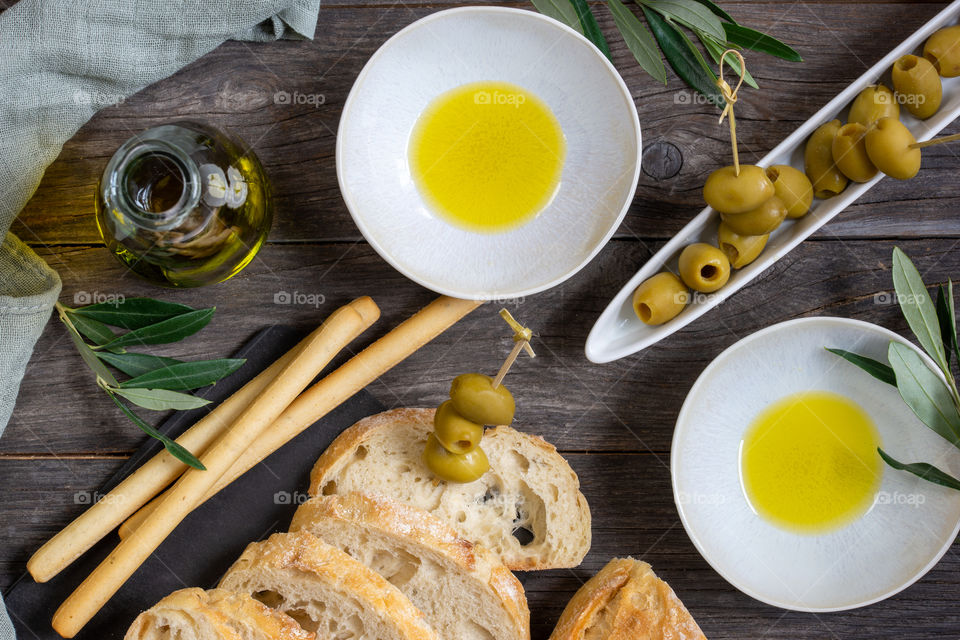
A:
x: 715, y: 29
x: 931, y: 395
x: 154, y: 382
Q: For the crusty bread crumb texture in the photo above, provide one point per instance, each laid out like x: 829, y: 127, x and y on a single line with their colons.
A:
x: 527, y: 508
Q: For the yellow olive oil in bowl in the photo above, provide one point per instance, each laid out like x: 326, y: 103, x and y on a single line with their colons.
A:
x: 809, y: 462
x: 487, y: 156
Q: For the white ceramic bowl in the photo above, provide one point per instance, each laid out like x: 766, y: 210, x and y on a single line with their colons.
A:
x: 908, y: 529
x: 451, y: 48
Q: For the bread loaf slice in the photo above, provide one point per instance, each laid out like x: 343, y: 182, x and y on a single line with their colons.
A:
x: 325, y: 590
x: 427, y: 561
x: 626, y: 601
x: 195, y: 614
x: 529, y: 490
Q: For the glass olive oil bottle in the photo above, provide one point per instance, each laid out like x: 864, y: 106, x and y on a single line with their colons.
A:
x: 184, y: 205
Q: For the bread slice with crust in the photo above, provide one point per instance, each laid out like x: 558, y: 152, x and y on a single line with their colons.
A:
x: 530, y: 488
x: 195, y: 614
x: 427, y: 561
x: 626, y: 601
x: 325, y: 590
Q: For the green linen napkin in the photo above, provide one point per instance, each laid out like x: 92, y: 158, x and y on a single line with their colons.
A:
x: 60, y: 61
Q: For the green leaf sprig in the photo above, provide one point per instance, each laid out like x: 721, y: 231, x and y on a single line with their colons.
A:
x: 931, y: 395
x: 713, y: 27
x: 155, y: 382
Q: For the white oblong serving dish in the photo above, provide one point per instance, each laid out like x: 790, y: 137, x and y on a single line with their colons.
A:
x: 455, y: 47
x: 911, y: 524
x: 618, y: 332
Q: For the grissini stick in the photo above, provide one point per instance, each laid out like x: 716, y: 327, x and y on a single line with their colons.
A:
x: 336, y: 387
x: 127, y: 557
x: 156, y: 474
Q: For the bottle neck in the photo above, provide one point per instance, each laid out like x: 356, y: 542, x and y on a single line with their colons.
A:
x: 152, y: 184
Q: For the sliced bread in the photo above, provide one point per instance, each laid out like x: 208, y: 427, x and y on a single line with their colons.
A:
x: 426, y: 559
x: 626, y: 601
x: 195, y: 614
x: 527, y: 508
x: 325, y: 590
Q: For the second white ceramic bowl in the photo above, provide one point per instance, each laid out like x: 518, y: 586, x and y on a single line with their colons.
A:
x: 472, y: 44
x: 911, y: 524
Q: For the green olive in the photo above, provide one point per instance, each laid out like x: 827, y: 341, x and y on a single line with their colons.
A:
x: 474, y: 398
x: 728, y: 192
x: 454, y: 467
x: 873, y: 103
x: 917, y: 85
x: 761, y: 220
x: 793, y: 188
x: 827, y: 180
x: 850, y: 153
x: 888, y: 145
x: 455, y: 433
x: 704, y: 267
x: 660, y: 298
x: 740, y: 250
x: 943, y: 51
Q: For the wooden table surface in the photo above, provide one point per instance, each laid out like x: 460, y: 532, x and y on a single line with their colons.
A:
x: 614, y: 422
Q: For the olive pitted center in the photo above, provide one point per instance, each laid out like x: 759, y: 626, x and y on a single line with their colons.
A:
x: 704, y: 267
x: 660, y: 298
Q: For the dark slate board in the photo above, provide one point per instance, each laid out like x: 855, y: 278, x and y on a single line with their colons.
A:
x: 201, y: 549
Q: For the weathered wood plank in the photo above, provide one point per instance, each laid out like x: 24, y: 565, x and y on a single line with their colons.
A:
x: 235, y: 86
x: 617, y: 439
x: 628, y: 405
x: 633, y: 514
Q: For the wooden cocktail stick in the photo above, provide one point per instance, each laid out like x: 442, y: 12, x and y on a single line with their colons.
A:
x: 730, y: 97
x: 935, y: 141
x: 521, y: 341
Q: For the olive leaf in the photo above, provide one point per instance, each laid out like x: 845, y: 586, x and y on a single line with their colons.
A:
x: 175, y: 449
x: 136, y: 364
x: 947, y: 317
x: 185, y: 375
x: 561, y: 11
x: 917, y: 308
x: 716, y: 49
x: 924, y: 392
x: 922, y: 470
x: 591, y: 30
x: 679, y: 51
x: 879, y: 370
x: 717, y: 11
x: 165, y: 331
x: 639, y: 40
x: 758, y: 41
x: 132, y: 313
x: 691, y: 14
x: 95, y: 331
x: 160, y: 399
x: 86, y: 353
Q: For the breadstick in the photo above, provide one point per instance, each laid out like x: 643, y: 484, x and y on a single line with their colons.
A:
x: 155, y: 475
x: 335, y: 388
x: 127, y: 557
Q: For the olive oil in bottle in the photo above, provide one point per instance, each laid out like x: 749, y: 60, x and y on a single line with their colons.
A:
x: 184, y: 205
